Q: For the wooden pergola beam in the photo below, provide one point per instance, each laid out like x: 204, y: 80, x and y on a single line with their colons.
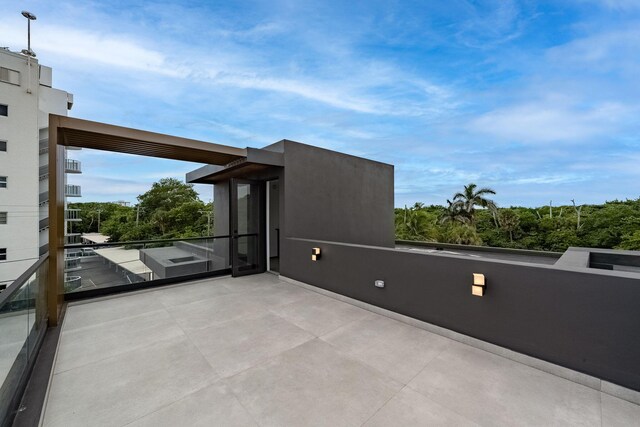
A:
x: 69, y: 131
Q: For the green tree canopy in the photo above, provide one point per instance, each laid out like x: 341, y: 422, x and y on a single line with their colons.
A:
x: 614, y: 224
x: 167, y: 194
x: 170, y: 209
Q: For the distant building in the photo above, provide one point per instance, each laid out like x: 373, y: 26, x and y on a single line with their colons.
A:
x: 26, y: 99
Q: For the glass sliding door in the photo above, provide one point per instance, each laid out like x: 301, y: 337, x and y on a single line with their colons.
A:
x: 247, y: 225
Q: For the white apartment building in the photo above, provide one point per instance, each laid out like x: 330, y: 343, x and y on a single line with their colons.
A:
x: 26, y: 99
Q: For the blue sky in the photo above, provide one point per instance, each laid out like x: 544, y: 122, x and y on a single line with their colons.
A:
x: 538, y: 100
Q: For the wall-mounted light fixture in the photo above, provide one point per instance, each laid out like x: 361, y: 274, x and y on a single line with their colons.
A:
x: 479, y: 285
x: 315, y: 254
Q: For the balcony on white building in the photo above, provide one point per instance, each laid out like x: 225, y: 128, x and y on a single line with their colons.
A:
x: 72, y: 191
x: 72, y: 166
x: 72, y: 215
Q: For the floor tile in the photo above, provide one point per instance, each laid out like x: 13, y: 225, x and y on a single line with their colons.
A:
x: 312, y: 385
x: 233, y: 346
x: 622, y: 392
x: 493, y: 390
x: 192, y: 292
x: 125, y: 305
x: 126, y: 387
x: 398, y: 350
x: 409, y: 408
x: 319, y: 314
x: 252, y: 282
x: 214, y: 405
x: 209, y: 312
x: 278, y: 294
x: 156, y: 358
x: 619, y: 413
x: 90, y: 344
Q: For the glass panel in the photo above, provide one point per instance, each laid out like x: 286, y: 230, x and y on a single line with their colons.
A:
x: 248, y: 206
x: 37, y: 306
x: 14, y: 330
x: 247, y: 253
x: 246, y: 215
x: 103, y: 266
x: 23, y: 316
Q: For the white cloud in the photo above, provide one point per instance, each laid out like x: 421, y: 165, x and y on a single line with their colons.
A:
x: 550, y: 179
x: 620, y: 4
x: 108, y: 186
x: 366, y: 88
x: 96, y: 47
x: 546, y: 122
x: 261, y: 30
x: 314, y: 91
x: 617, y: 50
x: 489, y: 23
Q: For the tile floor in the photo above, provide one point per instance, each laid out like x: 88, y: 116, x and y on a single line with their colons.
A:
x: 259, y: 351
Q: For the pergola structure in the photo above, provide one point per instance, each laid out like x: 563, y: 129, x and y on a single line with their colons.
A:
x: 73, y: 132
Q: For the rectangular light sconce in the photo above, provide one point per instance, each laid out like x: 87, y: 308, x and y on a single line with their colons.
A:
x: 477, y: 291
x: 478, y: 279
x: 315, y: 254
x: 479, y: 285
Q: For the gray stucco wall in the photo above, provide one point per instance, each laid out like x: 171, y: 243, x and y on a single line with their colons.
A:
x: 586, y: 320
x: 334, y: 196
x: 221, y: 209
x: 221, y: 221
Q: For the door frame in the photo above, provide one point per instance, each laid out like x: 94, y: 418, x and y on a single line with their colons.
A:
x: 260, y: 227
x: 267, y: 226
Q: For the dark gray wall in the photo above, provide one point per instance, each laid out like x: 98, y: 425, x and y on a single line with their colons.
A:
x: 586, y: 321
x: 221, y: 209
x: 334, y: 196
x: 221, y: 247
x: 274, y: 217
x: 324, y: 195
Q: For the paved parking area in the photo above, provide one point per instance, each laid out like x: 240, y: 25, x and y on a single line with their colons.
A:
x: 260, y: 351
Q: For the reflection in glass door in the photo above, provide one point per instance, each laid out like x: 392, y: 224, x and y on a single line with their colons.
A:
x: 247, y: 219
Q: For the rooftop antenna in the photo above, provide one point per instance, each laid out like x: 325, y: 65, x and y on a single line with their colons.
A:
x: 30, y: 17
x: 28, y: 52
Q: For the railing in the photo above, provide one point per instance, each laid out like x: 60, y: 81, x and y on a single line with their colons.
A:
x: 72, y: 264
x: 72, y: 166
x: 43, y: 197
x: 102, y: 267
x: 43, y: 172
x: 23, y: 322
x: 72, y: 238
x: 72, y: 190
x: 72, y: 215
x: 44, y: 145
x: 71, y: 283
x: 43, y: 223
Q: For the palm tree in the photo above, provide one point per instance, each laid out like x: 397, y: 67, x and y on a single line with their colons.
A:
x: 453, y: 213
x: 470, y: 198
x: 509, y: 221
x: 413, y: 224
